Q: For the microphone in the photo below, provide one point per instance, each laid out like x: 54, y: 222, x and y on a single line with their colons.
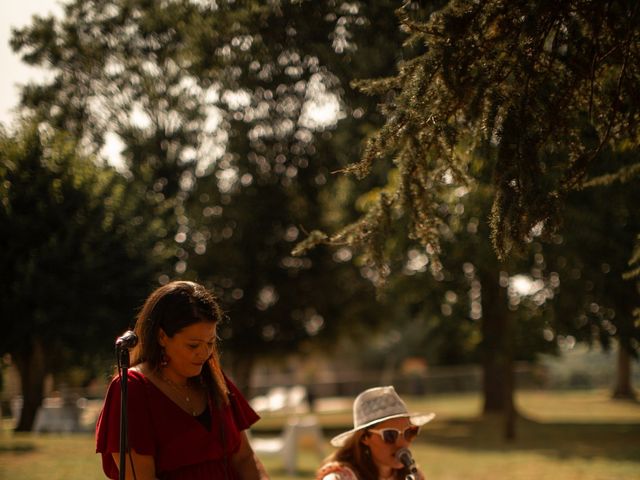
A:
x: 127, y: 340
x: 403, y: 455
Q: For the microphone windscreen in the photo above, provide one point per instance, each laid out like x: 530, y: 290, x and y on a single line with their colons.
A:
x: 127, y: 340
x: 403, y: 455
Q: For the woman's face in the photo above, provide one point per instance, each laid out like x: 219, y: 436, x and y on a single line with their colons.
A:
x: 189, y: 348
x: 382, y: 452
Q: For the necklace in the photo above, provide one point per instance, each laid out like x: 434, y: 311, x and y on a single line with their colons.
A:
x: 182, y: 390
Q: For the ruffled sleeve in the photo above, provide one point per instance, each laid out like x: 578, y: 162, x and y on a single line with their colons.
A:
x: 140, y: 426
x: 243, y: 415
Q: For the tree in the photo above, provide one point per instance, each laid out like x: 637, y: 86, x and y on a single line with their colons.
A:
x: 270, y: 184
x: 471, y: 304
x: 537, y: 93
x: 75, y: 257
x: 544, y: 89
x: 596, y: 302
x: 243, y: 189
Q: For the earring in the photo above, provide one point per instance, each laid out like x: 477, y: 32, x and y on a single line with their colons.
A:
x: 164, y: 360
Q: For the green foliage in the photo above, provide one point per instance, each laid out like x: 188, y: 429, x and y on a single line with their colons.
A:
x: 518, y: 105
x: 596, y: 300
x: 506, y: 111
x: 210, y: 102
x: 544, y: 89
x: 75, y: 253
x: 634, y: 262
x: 454, y: 297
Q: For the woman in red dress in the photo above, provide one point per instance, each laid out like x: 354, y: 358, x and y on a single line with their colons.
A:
x: 185, y: 418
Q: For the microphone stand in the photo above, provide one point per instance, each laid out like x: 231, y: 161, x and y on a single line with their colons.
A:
x: 128, y: 340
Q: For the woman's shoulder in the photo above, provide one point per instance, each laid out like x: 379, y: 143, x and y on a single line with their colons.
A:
x: 336, y: 471
x: 136, y: 381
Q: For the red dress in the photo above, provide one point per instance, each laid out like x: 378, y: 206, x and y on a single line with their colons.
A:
x: 182, y: 447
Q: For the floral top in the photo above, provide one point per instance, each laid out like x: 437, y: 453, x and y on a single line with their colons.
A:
x: 336, y: 471
x: 341, y: 471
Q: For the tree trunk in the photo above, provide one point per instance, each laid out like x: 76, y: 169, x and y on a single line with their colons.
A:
x: 32, y: 370
x: 497, y: 355
x: 623, y: 388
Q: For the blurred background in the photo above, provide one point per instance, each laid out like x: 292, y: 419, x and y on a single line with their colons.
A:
x: 436, y: 195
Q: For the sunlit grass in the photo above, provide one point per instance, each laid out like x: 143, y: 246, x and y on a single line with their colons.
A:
x: 48, y: 457
x: 562, y: 436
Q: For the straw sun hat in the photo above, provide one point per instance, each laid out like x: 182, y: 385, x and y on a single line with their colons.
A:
x: 377, y: 405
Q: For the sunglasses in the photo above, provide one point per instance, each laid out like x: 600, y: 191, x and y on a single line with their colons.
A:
x: 391, y: 435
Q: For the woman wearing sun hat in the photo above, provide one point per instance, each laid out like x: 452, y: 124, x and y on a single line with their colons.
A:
x: 382, y: 426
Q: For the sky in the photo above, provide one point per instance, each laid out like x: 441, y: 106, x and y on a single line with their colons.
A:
x: 322, y: 109
x: 17, y: 13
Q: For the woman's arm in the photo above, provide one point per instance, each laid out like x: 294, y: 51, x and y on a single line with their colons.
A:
x: 144, y: 465
x: 245, y: 462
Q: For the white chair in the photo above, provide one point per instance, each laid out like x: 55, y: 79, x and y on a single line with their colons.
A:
x: 273, y: 401
x: 282, y: 399
x: 297, y: 399
x: 56, y: 416
x: 286, y: 445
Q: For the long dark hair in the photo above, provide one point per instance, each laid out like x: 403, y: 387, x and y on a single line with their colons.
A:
x: 173, y: 307
x: 356, y: 455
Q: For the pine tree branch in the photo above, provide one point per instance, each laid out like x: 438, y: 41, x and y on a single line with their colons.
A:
x: 576, y: 171
x: 623, y: 175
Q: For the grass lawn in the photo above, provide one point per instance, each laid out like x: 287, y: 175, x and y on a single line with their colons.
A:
x: 561, y: 436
